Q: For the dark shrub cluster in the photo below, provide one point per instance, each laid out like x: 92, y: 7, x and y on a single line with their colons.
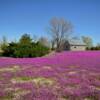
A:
x: 95, y: 48
x: 25, y: 48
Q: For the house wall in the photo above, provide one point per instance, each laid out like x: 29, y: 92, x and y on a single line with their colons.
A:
x: 77, y: 48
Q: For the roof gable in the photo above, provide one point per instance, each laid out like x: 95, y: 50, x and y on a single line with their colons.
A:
x: 76, y: 42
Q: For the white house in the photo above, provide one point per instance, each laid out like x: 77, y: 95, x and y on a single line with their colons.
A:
x: 74, y: 45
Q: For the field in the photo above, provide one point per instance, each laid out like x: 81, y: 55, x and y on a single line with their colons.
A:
x: 62, y: 76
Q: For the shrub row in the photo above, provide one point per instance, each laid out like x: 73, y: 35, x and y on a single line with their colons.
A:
x: 25, y: 48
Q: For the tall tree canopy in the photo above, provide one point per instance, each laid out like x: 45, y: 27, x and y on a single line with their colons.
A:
x: 25, y: 39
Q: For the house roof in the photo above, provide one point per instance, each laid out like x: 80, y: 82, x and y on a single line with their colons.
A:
x: 76, y: 42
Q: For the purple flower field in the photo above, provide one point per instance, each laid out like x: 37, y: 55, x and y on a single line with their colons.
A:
x: 62, y: 76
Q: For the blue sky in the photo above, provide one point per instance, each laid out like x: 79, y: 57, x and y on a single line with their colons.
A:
x: 33, y: 16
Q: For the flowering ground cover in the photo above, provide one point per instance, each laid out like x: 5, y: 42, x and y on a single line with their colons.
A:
x: 62, y: 76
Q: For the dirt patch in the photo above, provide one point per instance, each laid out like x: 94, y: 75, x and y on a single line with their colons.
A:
x: 10, y: 69
x: 43, y: 81
x: 37, y: 80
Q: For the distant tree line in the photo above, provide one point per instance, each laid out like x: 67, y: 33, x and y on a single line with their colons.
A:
x: 97, y: 47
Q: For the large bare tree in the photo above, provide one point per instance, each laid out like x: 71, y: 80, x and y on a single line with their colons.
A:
x: 59, y: 30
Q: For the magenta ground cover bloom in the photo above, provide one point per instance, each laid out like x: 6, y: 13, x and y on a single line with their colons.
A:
x: 63, y: 76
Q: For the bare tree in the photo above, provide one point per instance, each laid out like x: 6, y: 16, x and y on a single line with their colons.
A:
x: 88, y: 41
x: 44, y: 41
x: 53, y: 44
x: 59, y: 30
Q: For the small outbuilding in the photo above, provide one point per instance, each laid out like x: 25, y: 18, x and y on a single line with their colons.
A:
x: 74, y: 45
